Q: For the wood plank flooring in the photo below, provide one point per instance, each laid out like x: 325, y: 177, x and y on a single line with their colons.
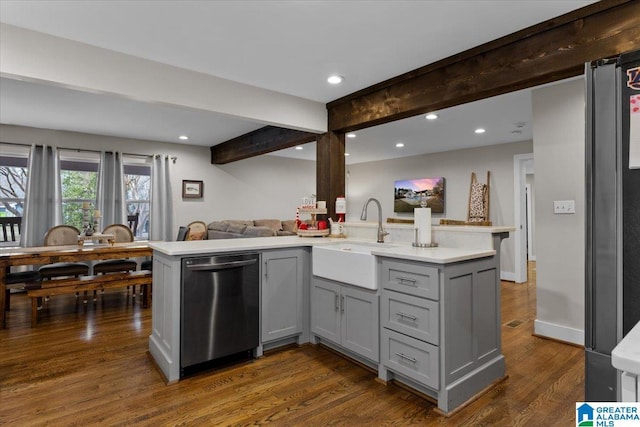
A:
x: 87, y: 365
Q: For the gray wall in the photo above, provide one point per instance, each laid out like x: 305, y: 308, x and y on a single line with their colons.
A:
x: 376, y: 179
x: 558, y: 142
x: 261, y: 187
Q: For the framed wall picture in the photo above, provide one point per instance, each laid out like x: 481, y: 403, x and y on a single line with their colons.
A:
x: 409, y: 194
x: 191, y: 189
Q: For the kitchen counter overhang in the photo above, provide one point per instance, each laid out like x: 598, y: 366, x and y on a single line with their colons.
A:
x: 438, y: 255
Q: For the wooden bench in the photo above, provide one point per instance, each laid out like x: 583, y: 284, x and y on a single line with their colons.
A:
x: 87, y: 283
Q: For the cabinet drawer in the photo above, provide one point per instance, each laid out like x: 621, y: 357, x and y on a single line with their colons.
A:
x: 409, y: 315
x: 409, y: 278
x: 408, y: 356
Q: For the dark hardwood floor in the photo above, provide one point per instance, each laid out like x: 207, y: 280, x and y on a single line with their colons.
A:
x: 87, y: 365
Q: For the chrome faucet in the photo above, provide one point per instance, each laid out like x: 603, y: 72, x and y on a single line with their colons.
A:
x: 363, y: 217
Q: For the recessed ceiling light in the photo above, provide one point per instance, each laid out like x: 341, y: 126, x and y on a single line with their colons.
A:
x: 351, y: 135
x: 346, y: 154
x: 431, y: 116
x: 480, y: 130
x: 183, y: 137
x: 335, y: 79
x: 399, y: 145
x: 299, y: 147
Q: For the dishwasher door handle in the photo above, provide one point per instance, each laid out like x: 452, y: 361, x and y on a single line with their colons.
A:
x: 222, y: 266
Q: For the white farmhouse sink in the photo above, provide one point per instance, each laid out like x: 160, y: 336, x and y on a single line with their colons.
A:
x: 346, y: 262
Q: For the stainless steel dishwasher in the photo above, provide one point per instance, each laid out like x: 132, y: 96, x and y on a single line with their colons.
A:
x: 220, y: 300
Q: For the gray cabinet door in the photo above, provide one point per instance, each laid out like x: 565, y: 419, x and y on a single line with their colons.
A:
x: 325, y: 309
x: 282, y: 284
x: 360, y: 322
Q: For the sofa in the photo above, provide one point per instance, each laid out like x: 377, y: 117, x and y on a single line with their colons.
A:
x: 234, y: 229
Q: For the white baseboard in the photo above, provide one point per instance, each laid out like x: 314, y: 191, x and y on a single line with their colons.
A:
x: 532, y: 257
x: 509, y: 276
x: 559, y: 332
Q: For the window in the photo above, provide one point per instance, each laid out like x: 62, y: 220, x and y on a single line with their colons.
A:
x: 137, y: 182
x: 13, y: 184
x: 79, y: 179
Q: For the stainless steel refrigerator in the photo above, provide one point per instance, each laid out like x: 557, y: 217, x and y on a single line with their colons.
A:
x: 612, y: 219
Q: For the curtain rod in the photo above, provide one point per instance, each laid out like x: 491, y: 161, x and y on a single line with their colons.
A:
x: 174, y: 158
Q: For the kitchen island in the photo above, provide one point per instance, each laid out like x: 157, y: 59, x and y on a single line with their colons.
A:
x: 287, y: 300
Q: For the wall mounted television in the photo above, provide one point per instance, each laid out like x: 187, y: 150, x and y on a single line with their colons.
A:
x: 409, y: 193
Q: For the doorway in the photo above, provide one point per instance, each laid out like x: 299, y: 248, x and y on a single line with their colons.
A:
x: 524, y: 213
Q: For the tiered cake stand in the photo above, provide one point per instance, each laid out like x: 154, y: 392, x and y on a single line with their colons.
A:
x: 313, y: 230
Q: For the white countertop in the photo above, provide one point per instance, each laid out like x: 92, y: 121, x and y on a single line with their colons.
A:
x: 394, y: 250
x: 435, y: 255
x: 474, y: 228
x: 434, y: 227
x: 626, y: 355
x: 195, y: 247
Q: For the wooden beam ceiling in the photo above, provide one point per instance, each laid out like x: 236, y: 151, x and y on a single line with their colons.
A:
x: 547, y: 52
x: 262, y: 141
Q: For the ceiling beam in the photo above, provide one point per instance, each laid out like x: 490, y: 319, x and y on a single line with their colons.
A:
x: 547, y: 52
x: 261, y: 141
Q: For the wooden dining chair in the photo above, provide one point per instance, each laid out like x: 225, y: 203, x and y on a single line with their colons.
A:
x: 197, y: 231
x: 123, y: 234
x: 11, y: 228
x: 61, y: 235
x: 132, y: 220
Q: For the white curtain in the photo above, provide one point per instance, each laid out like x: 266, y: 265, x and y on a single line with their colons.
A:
x: 43, y: 199
x: 162, y: 216
x: 111, y: 194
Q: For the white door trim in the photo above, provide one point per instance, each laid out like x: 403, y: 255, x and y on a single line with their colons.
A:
x: 519, y: 215
x: 530, y: 219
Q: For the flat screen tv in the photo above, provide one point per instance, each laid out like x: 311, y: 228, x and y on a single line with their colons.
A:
x: 410, y: 192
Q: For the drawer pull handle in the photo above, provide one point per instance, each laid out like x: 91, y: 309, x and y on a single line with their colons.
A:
x: 407, y: 316
x: 406, y: 281
x: 404, y: 356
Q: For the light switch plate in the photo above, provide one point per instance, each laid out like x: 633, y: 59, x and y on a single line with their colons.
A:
x: 564, y: 207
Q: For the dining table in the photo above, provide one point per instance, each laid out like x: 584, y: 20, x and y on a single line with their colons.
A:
x: 42, y: 255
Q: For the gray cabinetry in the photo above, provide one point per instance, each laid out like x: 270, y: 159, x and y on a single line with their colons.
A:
x: 359, y: 323
x: 411, y: 320
x: 325, y: 309
x: 440, y: 327
x: 414, y: 358
x: 282, y: 293
x: 416, y: 279
x: 346, y: 316
x: 415, y: 317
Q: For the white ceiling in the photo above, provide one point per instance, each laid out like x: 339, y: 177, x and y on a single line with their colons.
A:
x: 285, y: 46
x: 506, y: 118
